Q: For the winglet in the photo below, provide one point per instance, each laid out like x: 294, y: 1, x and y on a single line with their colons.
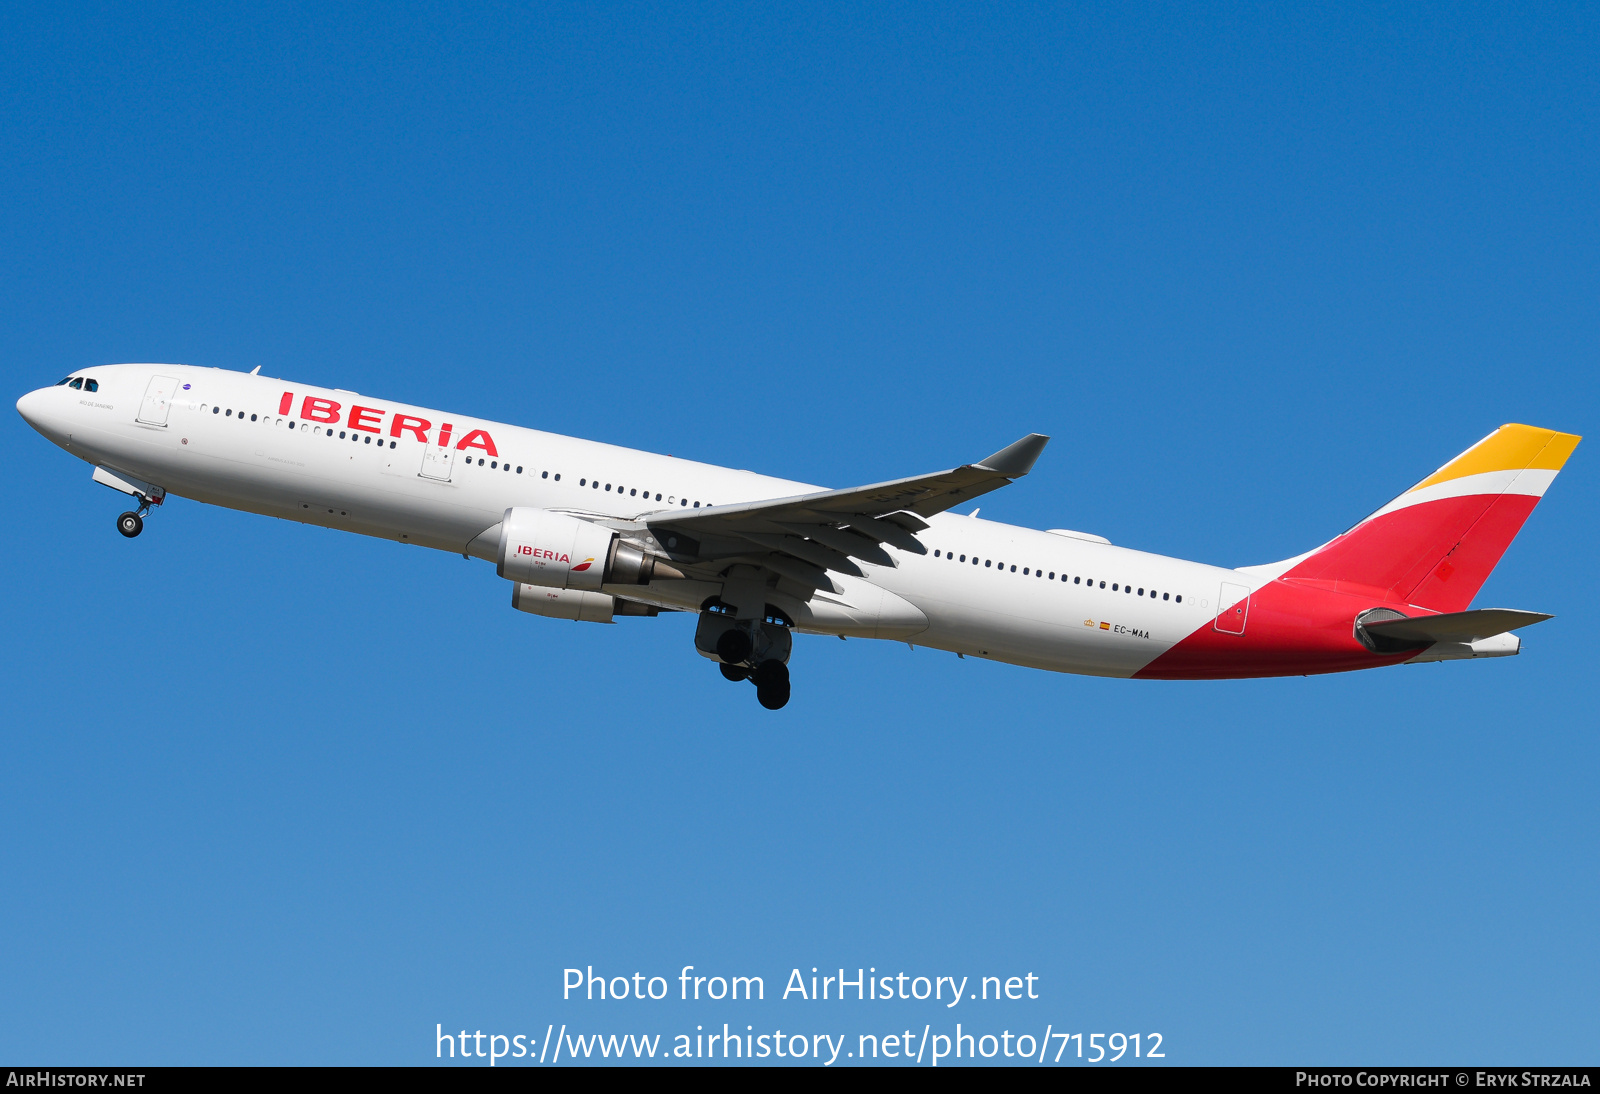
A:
x: 1016, y: 460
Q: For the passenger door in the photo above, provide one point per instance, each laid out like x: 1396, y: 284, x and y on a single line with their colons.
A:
x: 158, y: 400
x: 1233, y: 608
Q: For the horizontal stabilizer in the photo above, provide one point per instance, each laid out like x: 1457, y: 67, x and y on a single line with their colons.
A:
x: 1455, y: 626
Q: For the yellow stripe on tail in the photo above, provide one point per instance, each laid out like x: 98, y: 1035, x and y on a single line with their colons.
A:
x: 1509, y: 448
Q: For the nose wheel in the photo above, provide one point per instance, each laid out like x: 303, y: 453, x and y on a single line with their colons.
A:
x: 131, y: 524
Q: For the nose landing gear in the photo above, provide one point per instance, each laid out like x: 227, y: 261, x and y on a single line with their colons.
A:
x: 131, y: 524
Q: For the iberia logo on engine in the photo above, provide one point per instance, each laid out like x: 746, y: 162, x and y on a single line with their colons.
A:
x: 553, y: 556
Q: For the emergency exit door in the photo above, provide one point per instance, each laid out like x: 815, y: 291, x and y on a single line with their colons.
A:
x: 158, y: 400
x: 1233, y: 608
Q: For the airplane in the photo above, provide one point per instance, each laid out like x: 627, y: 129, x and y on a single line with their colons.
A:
x: 590, y: 532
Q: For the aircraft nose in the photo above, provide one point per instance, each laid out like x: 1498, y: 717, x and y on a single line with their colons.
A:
x: 30, y: 407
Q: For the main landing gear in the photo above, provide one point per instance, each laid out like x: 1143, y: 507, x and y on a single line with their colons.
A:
x: 771, y: 678
x: 757, y: 652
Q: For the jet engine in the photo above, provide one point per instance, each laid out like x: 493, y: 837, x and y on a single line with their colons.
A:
x: 586, y: 607
x: 556, y: 551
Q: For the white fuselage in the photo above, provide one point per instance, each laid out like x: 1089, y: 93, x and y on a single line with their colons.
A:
x: 226, y: 440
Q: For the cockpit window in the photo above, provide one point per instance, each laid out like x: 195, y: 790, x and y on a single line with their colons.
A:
x: 91, y: 385
x: 78, y: 383
x: 62, y: 382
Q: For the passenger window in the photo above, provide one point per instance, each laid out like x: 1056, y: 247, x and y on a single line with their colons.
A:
x: 494, y: 466
x: 216, y: 410
x: 93, y: 385
x: 1177, y: 600
x: 558, y: 476
x: 1113, y: 586
x: 633, y: 493
x: 1052, y: 575
x: 985, y: 564
x: 341, y: 434
x: 1103, y: 585
x: 1141, y: 592
x: 583, y: 482
x: 368, y: 440
x: 252, y: 417
x: 697, y: 505
x: 544, y: 474
x: 963, y: 558
x: 229, y: 414
x: 1013, y: 569
x: 77, y: 384
x: 1166, y: 596
x: 658, y: 497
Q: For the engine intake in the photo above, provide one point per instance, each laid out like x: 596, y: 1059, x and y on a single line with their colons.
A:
x: 556, y: 551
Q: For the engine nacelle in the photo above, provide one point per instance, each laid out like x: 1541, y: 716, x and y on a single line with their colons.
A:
x: 586, y: 607
x: 555, y: 551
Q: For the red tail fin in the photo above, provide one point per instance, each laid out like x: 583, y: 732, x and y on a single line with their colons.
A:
x: 1435, y: 544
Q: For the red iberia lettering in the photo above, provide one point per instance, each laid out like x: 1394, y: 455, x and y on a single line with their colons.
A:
x: 419, y: 426
x: 361, y: 415
x: 286, y: 403
x: 477, y: 439
x: 319, y: 410
x: 444, y: 435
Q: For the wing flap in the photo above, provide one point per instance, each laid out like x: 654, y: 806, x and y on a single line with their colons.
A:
x: 829, y: 529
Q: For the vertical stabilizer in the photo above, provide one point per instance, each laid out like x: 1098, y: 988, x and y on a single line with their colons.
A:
x: 1434, y: 545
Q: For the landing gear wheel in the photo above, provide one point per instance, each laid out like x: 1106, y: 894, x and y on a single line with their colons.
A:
x: 772, y: 674
x: 130, y: 524
x: 734, y: 646
x: 734, y: 672
x: 771, y: 678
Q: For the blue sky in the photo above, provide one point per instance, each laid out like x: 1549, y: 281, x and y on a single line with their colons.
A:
x: 271, y: 794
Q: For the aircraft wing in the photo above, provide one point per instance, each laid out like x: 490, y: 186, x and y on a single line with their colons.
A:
x: 803, y: 536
